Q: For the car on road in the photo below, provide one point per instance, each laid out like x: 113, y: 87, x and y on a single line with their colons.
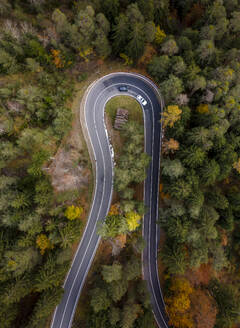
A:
x: 141, y: 100
x: 123, y: 88
x: 111, y: 150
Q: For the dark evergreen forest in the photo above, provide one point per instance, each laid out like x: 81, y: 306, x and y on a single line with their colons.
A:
x: 191, y: 50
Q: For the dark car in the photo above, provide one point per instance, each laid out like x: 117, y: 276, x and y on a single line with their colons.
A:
x: 123, y: 88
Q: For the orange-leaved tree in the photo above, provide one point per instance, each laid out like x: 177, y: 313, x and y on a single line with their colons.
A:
x: 114, y: 209
x: 203, y: 309
x: 170, y: 146
x: 57, y: 60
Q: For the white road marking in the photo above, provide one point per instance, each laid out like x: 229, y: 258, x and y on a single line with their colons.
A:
x: 92, y: 234
x: 89, y: 90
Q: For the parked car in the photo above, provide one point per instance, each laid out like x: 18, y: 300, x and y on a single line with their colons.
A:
x: 142, y: 100
x: 111, y: 150
x: 123, y: 88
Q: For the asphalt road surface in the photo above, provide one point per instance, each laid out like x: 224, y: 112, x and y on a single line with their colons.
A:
x: 97, y: 96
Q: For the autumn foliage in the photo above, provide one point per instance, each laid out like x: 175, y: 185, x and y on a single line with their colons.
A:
x: 114, y: 209
x: 171, y: 115
x: 133, y: 220
x: 159, y: 35
x: 203, y: 108
x: 127, y: 60
x: 195, y: 14
x: 236, y: 165
x: 170, y: 146
x: 200, y: 276
x: 149, y: 52
x: 43, y: 243
x: 162, y: 194
x: 178, y: 303
x: 58, y: 62
x: 73, y: 212
x: 204, y: 309
x: 86, y: 53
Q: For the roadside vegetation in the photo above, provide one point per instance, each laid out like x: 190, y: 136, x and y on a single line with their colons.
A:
x: 191, y: 49
x: 117, y: 295
x: 134, y: 114
x: 198, y: 72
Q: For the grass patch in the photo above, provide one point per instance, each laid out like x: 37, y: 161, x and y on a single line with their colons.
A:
x: 126, y: 102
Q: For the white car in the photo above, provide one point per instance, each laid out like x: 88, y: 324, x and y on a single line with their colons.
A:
x: 141, y: 100
x: 111, y: 150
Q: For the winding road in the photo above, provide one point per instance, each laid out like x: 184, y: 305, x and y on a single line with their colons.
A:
x: 92, y: 114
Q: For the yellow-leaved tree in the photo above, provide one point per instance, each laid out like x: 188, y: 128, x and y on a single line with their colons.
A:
x: 84, y: 53
x: 179, y: 303
x: 159, y: 35
x: 171, y: 115
x: 73, y: 212
x: 203, y: 108
x: 236, y: 165
x: 43, y: 243
x: 133, y: 220
x: 128, y: 60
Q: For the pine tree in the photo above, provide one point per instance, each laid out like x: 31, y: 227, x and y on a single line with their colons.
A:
x: 174, y: 258
x: 210, y: 172
x: 110, y: 8
x: 21, y: 260
x: 192, y: 156
x: 180, y: 189
x: 135, y: 46
x: 120, y: 33
x: 44, y: 307
x: 158, y: 67
x: 16, y: 290
x: 50, y: 276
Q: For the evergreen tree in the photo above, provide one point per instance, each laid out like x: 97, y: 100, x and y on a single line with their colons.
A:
x: 99, y: 299
x: 120, y: 33
x: 173, y: 256
x: 192, y: 156
x: 135, y: 47
x: 45, y: 306
x: 110, y: 8
x: 158, y: 67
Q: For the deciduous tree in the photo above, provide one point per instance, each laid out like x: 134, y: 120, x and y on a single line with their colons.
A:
x: 112, y: 272
x: 73, y: 212
x: 204, y: 309
x: 99, y: 299
x: 171, y: 115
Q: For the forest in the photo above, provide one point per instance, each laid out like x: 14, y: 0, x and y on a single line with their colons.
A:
x: 191, y: 50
